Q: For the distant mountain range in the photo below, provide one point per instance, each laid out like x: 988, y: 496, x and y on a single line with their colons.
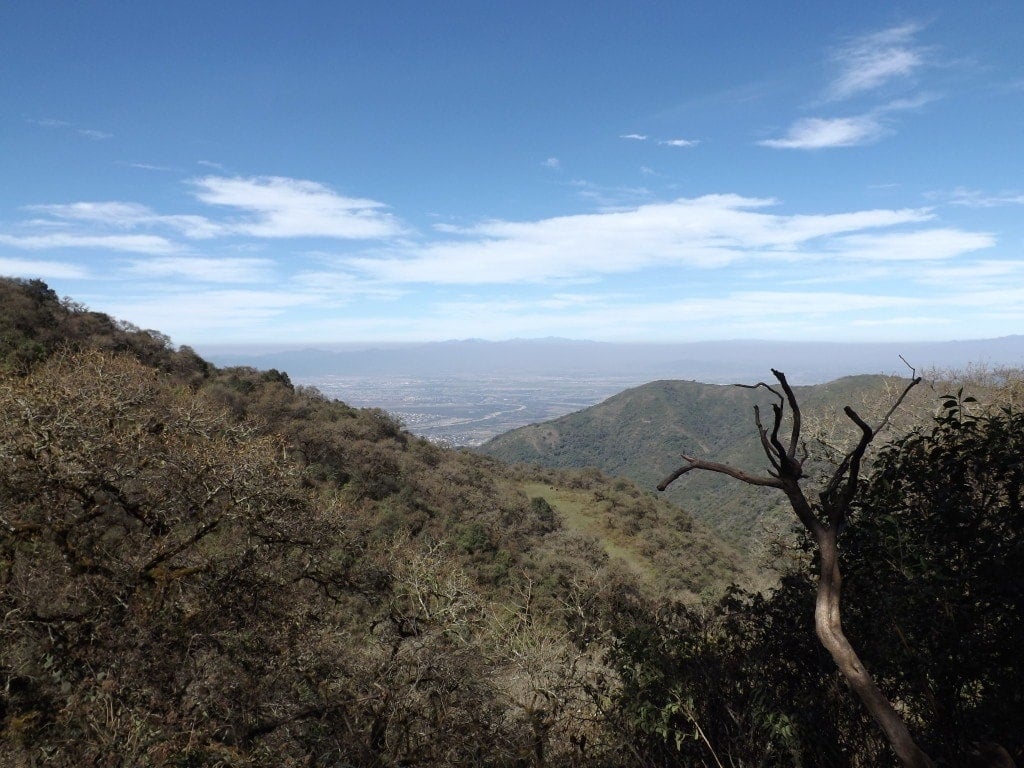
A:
x: 711, y: 362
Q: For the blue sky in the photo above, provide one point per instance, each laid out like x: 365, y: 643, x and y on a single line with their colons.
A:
x: 649, y: 171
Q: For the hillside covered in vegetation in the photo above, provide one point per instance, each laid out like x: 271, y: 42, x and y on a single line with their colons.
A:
x: 213, y: 567
x: 210, y: 562
x: 641, y: 432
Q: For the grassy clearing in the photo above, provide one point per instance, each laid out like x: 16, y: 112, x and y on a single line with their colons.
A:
x: 580, y: 511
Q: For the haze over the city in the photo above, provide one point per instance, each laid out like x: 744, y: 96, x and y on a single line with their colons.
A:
x: 317, y: 172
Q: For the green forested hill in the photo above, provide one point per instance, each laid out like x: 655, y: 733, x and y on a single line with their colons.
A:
x: 640, y: 434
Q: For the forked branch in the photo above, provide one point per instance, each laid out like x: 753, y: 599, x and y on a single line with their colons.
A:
x: 824, y: 520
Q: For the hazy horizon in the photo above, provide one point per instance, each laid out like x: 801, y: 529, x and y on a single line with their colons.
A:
x: 719, y: 362
x: 256, y: 347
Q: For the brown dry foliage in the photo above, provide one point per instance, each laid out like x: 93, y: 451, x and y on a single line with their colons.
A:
x: 174, y: 592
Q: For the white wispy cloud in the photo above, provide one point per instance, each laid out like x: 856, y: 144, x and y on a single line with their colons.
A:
x: 200, y: 269
x: 125, y: 216
x: 680, y: 142
x: 979, y: 275
x: 339, y: 284
x: 925, y: 245
x: 199, y: 313
x: 285, y: 207
x: 43, y: 269
x: 601, y: 274
x: 49, y: 122
x: 634, y: 136
x: 149, y: 167
x: 91, y: 133
x: 55, y: 124
x: 271, y: 207
x: 867, y: 65
x: 552, y: 162
x: 830, y: 314
x: 872, y: 61
x: 822, y: 133
x: 705, y: 232
x: 973, y: 198
x: 611, y: 198
x: 153, y: 244
x: 906, y: 103
x: 737, y: 314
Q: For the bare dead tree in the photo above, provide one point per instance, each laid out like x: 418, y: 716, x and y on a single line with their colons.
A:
x: 823, y: 516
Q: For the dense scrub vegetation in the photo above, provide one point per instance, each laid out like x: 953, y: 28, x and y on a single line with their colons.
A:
x: 933, y: 584
x: 205, y: 566
x: 214, y: 567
